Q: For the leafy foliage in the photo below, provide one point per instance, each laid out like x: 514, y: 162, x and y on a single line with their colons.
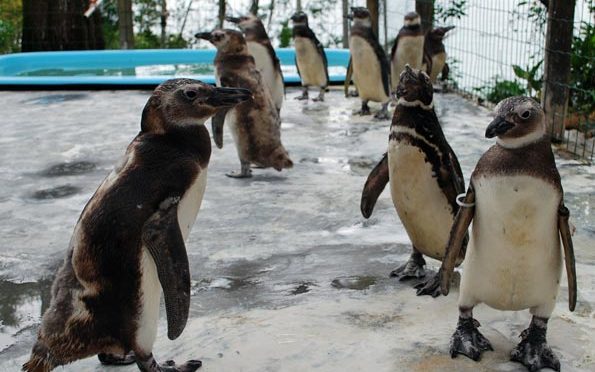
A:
x: 455, y: 10
x: 534, y: 83
x: 497, y: 90
x: 582, y: 70
x: 11, y: 24
x: 285, y: 35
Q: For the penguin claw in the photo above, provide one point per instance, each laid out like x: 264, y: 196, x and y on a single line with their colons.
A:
x: 429, y: 286
x: 468, y: 341
x: 409, y: 270
x: 534, y: 353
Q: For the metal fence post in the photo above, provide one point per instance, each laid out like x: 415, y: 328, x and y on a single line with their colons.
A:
x: 558, y: 46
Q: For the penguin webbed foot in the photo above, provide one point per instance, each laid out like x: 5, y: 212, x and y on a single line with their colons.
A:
x: 533, y: 351
x: 304, y: 96
x: 365, y: 110
x: 245, y: 171
x: 468, y: 341
x: 430, y: 285
x: 413, y: 268
x: 320, y: 98
x: 150, y: 365
x: 109, y: 359
x: 382, y: 115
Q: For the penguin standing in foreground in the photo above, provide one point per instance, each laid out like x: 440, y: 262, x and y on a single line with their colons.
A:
x: 435, y: 53
x: 408, y: 48
x: 128, y: 243
x: 255, y: 125
x: 425, y: 178
x: 310, y: 58
x: 513, y: 260
x: 259, y: 45
x: 368, y: 63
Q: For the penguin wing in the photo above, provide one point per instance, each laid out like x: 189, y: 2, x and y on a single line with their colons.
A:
x: 566, y: 235
x: 456, y: 240
x: 320, y: 50
x: 348, y: 75
x: 276, y: 62
x: 217, y: 127
x: 393, y: 50
x: 382, y: 59
x: 374, y: 186
x: 162, y: 237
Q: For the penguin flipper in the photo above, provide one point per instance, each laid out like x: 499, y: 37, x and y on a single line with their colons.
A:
x: 348, y: 75
x: 162, y: 237
x: 458, y: 234
x: 566, y: 236
x: 217, y: 127
x: 374, y: 186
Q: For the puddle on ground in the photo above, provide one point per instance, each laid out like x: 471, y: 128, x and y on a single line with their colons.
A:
x: 55, y: 192
x: 357, y: 282
x: 55, y: 98
x: 301, y: 288
x: 68, y: 169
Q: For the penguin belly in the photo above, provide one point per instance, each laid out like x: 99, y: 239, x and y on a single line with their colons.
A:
x: 367, y: 73
x: 188, y: 207
x: 410, y: 50
x: 438, y: 61
x: 513, y: 260
x: 420, y: 203
x: 310, y: 63
x: 272, y: 79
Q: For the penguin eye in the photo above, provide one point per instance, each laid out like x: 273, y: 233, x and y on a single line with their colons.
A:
x: 525, y: 115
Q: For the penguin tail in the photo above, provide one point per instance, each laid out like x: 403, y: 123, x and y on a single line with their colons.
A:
x: 40, y: 360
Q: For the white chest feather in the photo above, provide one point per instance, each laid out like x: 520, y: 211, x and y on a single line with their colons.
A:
x: 409, y: 51
x: 270, y: 76
x: 367, y: 73
x: 310, y: 63
x: 150, y: 286
x: 420, y: 203
x: 513, y: 259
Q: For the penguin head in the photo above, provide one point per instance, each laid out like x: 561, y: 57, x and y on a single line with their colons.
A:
x: 280, y: 159
x: 299, y: 18
x: 227, y: 41
x: 414, y: 86
x: 360, y: 16
x: 181, y: 102
x: 519, y: 121
x: 245, y: 22
x: 438, y: 33
x: 412, y: 19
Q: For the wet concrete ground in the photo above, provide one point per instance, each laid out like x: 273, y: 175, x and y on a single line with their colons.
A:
x: 287, y: 275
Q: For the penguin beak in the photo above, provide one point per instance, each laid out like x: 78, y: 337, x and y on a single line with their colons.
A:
x: 229, y: 97
x: 232, y: 19
x: 204, y: 35
x: 498, y: 126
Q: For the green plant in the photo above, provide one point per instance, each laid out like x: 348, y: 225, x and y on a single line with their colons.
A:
x: 11, y: 25
x: 285, y: 35
x: 582, y: 70
x: 497, y: 90
x: 455, y: 9
x: 529, y: 74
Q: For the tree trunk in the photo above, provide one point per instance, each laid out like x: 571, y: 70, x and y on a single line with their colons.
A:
x: 60, y: 25
x: 254, y: 7
x: 125, y: 24
x: 425, y: 9
x: 221, y: 14
x: 372, y: 6
x: 345, y: 24
x: 164, y: 15
x: 558, y: 46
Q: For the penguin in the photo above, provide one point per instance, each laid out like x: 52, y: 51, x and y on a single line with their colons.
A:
x: 424, y: 175
x: 259, y: 45
x: 435, y: 53
x: 255, y: 125
x: 129, y: 240
x: 514, y: 260
x: 368, y: 63
x: 310, y: 58
x: 408, y: 47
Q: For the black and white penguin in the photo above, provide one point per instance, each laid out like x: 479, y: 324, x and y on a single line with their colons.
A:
x: 513, y: 259
x: 128, y: 243
x: 255, y: 125
x: 435, y: 52
x: 424, y: 175
x: 259, y: 45
x: 310, y: 58
x: 408, y: 48
x: 368, y: 63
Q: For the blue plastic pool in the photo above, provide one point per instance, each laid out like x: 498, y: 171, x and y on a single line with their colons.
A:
x: 130, y: 68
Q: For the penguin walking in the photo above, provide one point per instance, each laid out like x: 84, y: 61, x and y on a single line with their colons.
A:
x: 255, y: 125
x: 408, y: 48
x: 129, y: 240
x: 310, y: 58
x: 259, y: 45
x: 424, y: 175
x: 513, y: 260
x: 368, y: 63
x: 435, y: 53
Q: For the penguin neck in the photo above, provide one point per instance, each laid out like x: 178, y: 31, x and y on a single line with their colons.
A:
x: 517, y: 142
x: 412, y: 27
x: 416, y: 103
x: 256, y: 33
x: 193, y: 137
